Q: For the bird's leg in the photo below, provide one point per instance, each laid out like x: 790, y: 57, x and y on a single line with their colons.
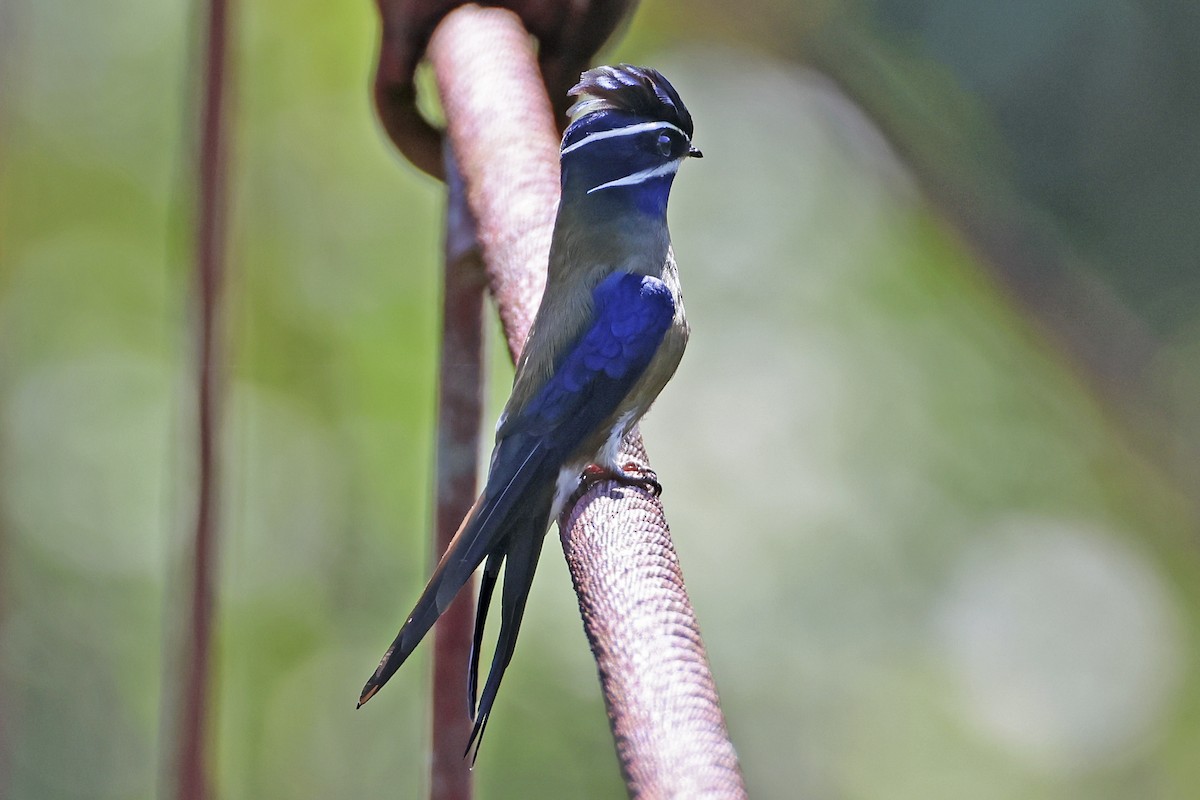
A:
x: 631, y: 473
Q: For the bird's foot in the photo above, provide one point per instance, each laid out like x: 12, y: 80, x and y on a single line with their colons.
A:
x: 631, y: 473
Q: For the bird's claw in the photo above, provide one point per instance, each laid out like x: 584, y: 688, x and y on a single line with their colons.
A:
x: 631, y: 473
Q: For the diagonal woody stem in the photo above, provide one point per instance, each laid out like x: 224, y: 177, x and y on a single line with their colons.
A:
x: 662, y: 701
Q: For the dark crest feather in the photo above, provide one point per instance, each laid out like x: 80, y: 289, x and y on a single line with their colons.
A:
x: 639, y: 91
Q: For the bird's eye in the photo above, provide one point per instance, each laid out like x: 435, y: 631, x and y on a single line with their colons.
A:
x: 664, y: 144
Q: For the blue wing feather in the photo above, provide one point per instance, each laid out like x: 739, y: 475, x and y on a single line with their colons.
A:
x: 631, y: 315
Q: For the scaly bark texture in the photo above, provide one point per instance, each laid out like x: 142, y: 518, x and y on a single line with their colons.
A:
x: 662, y: 702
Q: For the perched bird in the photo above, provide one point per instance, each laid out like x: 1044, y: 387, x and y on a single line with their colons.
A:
x: 608, y: 334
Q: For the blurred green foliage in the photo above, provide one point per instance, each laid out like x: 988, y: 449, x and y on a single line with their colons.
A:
x: 927, y: 559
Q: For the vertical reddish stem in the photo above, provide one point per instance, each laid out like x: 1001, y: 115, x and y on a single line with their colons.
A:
x: 460, y: 389
x: 193, y: 778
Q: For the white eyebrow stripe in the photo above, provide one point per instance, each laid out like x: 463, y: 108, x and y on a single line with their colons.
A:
x: 628, y: 130
x: 662, y: 170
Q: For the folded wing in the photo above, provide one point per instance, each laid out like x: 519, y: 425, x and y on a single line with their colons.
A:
x: 506, y: 525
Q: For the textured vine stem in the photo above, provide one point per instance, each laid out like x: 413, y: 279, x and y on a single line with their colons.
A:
x: 192, y: 778
x: 501, y: 125
x: 661, y: 699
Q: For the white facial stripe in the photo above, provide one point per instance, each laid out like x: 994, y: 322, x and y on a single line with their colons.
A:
x: 669, y: 168
x: 628, y: 130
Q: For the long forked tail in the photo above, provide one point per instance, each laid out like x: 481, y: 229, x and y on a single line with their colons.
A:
x: 483, y: 533
x: 450, y: 575
x: 523, y: 548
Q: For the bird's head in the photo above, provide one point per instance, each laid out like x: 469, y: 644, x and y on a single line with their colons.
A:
x: 629, y: 133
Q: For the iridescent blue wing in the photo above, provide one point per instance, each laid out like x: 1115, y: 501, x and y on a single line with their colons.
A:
x: 631, y: 315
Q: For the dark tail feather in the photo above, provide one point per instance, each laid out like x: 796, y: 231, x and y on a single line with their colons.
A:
x: 486, y: 526
x: 468, y: 548
x: 491, y: 571
x: 524, y: 547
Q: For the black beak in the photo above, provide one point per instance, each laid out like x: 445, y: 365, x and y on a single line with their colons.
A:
x: 694, y: 153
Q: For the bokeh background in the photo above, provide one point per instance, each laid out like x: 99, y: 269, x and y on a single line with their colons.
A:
x: 931, y: 460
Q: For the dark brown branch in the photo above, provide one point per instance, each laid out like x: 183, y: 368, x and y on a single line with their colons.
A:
x: 567, y: 33
x: 460, y: 404
x: 192, y: 775
x: 662, y: 700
